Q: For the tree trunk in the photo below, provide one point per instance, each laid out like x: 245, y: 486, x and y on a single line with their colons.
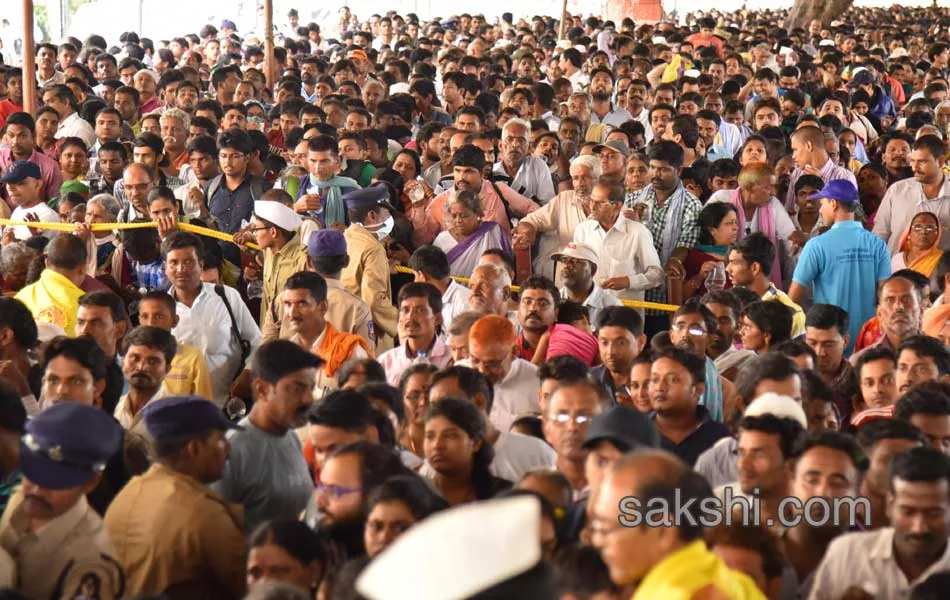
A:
x: 825, y: 11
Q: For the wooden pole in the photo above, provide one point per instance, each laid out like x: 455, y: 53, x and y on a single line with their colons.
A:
x: 269, y: 43
x: 29, y: 60
x: 564, y: 17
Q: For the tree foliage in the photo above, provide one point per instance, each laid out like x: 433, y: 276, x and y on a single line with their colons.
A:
x: 804, y: 11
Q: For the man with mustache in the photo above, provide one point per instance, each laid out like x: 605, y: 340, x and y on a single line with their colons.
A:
x: 898, y: 309
x: 578, y: 265
x: 921, y: 358
x: 58, y: 539
x: 420, y: 327
x: 266, y: 470
x: 602, y: 109
x: 889, y: 562
x: 826, y: 332
x: 489, y: 290
x: 537, y: 311
x: 529, y: 176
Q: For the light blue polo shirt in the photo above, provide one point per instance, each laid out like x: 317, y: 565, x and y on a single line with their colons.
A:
x: 845, y: 265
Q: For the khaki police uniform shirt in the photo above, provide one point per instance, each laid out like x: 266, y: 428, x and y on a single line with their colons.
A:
x: 69, y: 557
x: 173, y: 535
x: 278, y: 267
x: 367, y: 276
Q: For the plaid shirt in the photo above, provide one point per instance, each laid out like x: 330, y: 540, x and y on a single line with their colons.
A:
x: 656, y: 222
x: 151, y: 276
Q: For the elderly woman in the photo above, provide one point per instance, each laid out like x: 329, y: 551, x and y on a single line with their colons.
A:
x: 466, y: 235
x: 102, y: 208
x: 557, y: 220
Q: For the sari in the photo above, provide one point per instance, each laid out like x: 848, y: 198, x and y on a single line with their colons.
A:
x: 926, y: 262
x: 464, y: 255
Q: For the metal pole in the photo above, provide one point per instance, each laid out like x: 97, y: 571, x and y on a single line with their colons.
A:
x: 29, y: 60
x: 269, y: 43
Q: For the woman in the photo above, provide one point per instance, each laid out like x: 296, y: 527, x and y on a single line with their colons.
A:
x: 457, y: 450
x: 414, y: 387
x: 872, y: 185
x: 415, y: 197
x: 47, y: 123
x: 288, y: 551
x: 718, y: 229
x: 395, y: 506
x: 467, y: 236
x: 753, y: 150
x: 919, y: 247
x: 637, y: 173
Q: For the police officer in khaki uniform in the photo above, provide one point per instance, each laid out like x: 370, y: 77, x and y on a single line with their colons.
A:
x: 172, y: 534
x: 367, y: 274
x: 58, y: 541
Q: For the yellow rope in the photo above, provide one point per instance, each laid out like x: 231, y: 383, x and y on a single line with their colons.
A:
x: 213, y: 233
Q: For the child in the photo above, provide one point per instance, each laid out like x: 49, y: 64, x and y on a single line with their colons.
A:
x: 570, y: 335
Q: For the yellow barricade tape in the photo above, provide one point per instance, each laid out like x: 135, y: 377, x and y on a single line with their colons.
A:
x: 213, y: 233
x: 630, y: 303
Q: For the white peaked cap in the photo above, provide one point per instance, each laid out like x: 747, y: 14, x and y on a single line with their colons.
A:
x: 278, y: 214
x: 779, y: 406
x: 458, y: 553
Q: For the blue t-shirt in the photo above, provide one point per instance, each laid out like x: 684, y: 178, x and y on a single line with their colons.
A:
x: 845, y: 264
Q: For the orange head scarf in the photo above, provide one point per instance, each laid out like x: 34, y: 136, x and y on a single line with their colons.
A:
x: 926, y: 262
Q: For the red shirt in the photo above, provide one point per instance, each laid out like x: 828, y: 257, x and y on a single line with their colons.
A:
x: 7, y: 108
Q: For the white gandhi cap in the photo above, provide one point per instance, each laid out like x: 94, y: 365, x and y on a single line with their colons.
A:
x: 779, y: 406
x: 458, y: 553
x: 278, y: 214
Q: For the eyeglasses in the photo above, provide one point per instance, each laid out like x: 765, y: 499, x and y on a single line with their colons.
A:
x: 923, y: 229
x: 256, y: 229
x: 694, y: 329
x: 336, y: 491
x: 563, y: 418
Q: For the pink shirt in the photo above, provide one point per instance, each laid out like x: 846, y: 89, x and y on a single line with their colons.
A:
x: 49, y: 170
x: 397, y: 360
x: 493, y: 209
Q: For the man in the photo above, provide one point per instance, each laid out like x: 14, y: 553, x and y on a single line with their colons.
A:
x: 20, y: 138
x: 111, y: 158
x: 493, y: 352
x: 537, y: 311
x: 24, y: 186
x: 921, y: 358
x: 13, y: 103
x: 147, y: 355
x: 500, y: 203
x: 565, y: 417
x: 321, y: 192
x: 602, y: 108
x: 231, y: 195
x: 620, y: 340
x: 895, y: 157
x: 203, y: 160
x: 750, y: 263
x: 890, y: 561
x: 430, y: 265
x: 898, y: 312
x: 638, y: 553
x: 810, y: 156
x: 74, y: 370
x: 881, y: 440
x: 690, y: 329
x: 846, y: 263
x: 515, y: 454
x: 671, y: 214
x: 136, y: 183
x: 367, y: 273
x: 266, y: 471
x: 340, y: 418
x: 419, y: 327
x: 927, y: 191
x: 187, y: 374
x: 61, y: 99
x: 155, y: 512
x: 578, y: 263
x: 826, y: 332
x: 876, y: 372
x: 102, y: 317
x: 327, y: 251
x: 676, y: 385
x: 305, y: 307
x: 927, y: 408
x: 611, y: 235
x: 489, y: 290
x: 274, y: 228
x: 726, y: 308
x: 54, y: 299
x: 59, y: 541
x: 174, y: 124
x: 529, y: 176
x: 827, y: 467
x: 208, y: 315
x: 765, y: 446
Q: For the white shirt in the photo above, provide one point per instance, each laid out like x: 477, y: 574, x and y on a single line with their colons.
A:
x: 76, y: 126
x: 784, y: 226
x: 865, y: 559
x: 42, y: 211
x: 516, y: 395
x: 515, y: 456
x: 207, y: 326
x: 644, y: 118
x: 578, y: 81
x: 123, y: 413
x: 533, y: 179
x: 597, y: 300
x: 615, y: 117
x: 903, y: 200
x: 454, y: 303
x: 627, y: 249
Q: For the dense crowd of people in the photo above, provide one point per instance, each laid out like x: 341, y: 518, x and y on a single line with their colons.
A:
x: 449, y: 306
